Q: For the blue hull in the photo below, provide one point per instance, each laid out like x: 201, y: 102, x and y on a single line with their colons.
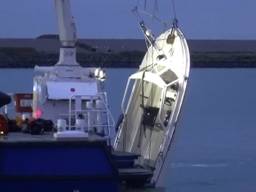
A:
x: 70, y: 166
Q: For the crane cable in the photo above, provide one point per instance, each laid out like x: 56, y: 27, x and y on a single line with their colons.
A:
x: 174, y: 9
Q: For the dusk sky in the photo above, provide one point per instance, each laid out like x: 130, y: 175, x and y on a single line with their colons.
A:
x: 199, y: 19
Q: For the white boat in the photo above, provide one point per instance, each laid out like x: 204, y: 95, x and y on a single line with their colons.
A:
x: 153, y: 98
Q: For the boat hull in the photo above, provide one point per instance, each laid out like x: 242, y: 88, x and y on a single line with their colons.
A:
x: 42, y: 163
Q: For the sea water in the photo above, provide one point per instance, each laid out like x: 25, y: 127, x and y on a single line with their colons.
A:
x: 214, y: 146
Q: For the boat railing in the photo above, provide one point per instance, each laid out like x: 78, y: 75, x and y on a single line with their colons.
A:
x: 96, y: 118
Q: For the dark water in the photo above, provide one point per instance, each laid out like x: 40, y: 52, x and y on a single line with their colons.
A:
x: 215, y: 144
x: 215, y: 141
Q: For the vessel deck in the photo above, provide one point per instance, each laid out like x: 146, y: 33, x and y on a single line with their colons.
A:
x: 47, y: 137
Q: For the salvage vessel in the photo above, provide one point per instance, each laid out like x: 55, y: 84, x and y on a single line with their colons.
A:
x: 65, y: 138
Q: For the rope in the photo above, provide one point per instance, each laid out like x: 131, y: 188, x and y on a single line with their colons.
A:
x: 153, y: 16
x: 163, y: 159
x: 155, y: 8
x: 175, y: 20
x: 174, y: 9
x: 145, y: 4
x: 138, y: 12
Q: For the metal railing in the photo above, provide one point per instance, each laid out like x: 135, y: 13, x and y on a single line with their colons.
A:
x: 90, y: 114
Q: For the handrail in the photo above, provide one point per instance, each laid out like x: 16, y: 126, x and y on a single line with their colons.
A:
x: 105, y: 109
x: 108, y: 112
x: 124, y: 97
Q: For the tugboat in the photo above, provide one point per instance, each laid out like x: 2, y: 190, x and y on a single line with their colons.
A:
x: 75, y: 155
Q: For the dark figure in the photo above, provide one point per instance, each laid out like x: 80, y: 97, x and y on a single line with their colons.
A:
x: 4, y: 99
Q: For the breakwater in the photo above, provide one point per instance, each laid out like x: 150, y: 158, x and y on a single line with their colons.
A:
x: 122, y: 53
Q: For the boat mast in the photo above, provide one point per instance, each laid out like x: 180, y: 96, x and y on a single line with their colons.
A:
x: 67, y: 33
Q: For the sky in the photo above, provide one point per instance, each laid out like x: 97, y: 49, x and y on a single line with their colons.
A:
x: 199, y: 19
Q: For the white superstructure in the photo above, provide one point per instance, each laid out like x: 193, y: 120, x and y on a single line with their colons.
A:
x: 68, y: 92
